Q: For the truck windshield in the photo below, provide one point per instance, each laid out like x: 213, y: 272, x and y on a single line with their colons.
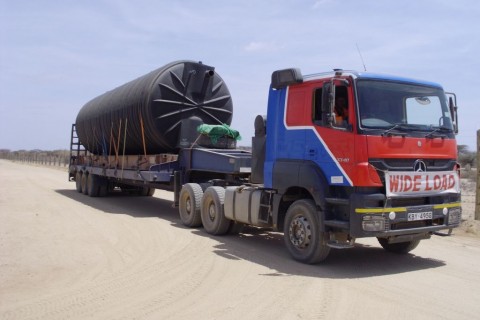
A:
x: 391, y: 107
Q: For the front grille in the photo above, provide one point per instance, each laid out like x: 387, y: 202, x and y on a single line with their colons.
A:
x: 383, y: 165
x: 407, y: 164
x: 406, y: 202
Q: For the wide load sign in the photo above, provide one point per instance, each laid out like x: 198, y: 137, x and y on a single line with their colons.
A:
x: 421, y: 183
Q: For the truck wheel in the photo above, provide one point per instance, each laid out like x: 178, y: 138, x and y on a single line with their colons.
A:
x: 213, y: 218
x: 302, y: 234
x: 93, y: 185
x: 78, y: 181
x: 400, y: 247
x: 189, y: 205
x: 103, y: 186
x: 84, y: 183
x: 146, y: 191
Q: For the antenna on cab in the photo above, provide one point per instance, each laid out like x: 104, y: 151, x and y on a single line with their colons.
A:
x: 363, y: 62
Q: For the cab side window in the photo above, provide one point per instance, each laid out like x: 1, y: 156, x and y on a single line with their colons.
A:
x: 341, y: 106
x: 321, y: 113
x: 317, y: 106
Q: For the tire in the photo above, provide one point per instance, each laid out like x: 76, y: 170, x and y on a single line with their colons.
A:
x: 93, y: 185
x: 302, y: 235
x: 78, y: 181
x: 103, y: 187
x: 190, y: 200
x: 145, y: 191
x: 400, y: 247
x: 150, y: 192
x: 84, y: 183
x: 213, y: 217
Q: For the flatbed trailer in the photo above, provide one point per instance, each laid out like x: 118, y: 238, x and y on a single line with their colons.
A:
x: 145, y: 173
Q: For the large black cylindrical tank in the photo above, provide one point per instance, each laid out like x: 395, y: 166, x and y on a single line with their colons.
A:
x: 147, y: 114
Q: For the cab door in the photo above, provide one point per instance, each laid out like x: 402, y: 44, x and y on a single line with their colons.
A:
x: 332, y: 146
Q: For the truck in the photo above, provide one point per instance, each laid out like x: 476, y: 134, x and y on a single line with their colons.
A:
x: 388, y: 169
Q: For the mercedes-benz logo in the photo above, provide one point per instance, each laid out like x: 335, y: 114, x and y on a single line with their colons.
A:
x: 419, y: 166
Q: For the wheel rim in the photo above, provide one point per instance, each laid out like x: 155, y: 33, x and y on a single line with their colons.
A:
x: 188, y: 205
x: 211, y: 211
x: 300, y: 232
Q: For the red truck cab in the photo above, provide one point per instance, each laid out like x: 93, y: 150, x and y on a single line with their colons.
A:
x: 386, y: 169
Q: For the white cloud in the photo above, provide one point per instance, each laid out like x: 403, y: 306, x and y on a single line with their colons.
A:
x: 262, y: 46
x: 319, y: 3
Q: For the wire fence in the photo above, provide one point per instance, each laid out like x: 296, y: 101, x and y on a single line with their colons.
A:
x: 60, y: 160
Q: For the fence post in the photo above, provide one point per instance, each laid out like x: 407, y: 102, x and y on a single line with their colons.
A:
x: 477, y: 193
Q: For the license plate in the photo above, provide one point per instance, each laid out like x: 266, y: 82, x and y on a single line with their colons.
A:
x: 415, y: 216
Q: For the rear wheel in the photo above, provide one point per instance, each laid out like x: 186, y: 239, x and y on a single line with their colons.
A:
x: 78, y: 181
x: 302, y: 235
x: 190, y: 200
x: 146, y: 191
x: 213, y: 217
x: 93, y: 185
x: 150, y: 192
x: 84, y: 183
x: 103, y: 186
x: 400, y: 247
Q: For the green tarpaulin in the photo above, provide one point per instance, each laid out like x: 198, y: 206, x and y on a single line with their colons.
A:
x: 215, y: 131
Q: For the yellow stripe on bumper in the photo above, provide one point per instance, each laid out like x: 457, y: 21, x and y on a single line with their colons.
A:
x: 403, y: 209
x: 379, y: 210
x: 447, y: 205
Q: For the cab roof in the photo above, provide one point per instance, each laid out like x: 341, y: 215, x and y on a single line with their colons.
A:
x: 285, y: 77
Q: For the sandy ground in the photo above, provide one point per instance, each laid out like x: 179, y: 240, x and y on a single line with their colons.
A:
x: 64, y: 255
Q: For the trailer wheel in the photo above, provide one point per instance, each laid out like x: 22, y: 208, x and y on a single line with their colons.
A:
x: 213, y: 217
x: 147, y: 192
x: 302, y: 235
x: 400, y: 247
x: 93, y: 185
x: 78, y: 181
x: 190, y: 200
x: 103, y: 186
x: 84, y: 183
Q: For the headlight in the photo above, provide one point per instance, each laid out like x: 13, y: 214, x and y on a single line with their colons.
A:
x: 373, y: 223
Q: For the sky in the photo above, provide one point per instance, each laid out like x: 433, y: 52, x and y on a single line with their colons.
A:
x: 56, y: 55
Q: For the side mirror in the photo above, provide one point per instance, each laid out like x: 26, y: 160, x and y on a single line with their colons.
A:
x: 328, y: 102
x: 452, y: 105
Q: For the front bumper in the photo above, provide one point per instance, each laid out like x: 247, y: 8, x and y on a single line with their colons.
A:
x: 410, y: 221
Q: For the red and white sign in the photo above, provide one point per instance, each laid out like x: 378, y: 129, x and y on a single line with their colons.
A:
x: 415, y: 183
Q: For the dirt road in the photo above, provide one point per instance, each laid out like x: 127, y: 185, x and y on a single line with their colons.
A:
x: 64, y: 255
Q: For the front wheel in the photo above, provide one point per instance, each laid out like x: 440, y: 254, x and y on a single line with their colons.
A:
x: 400, y: 247
x: 302, y: 235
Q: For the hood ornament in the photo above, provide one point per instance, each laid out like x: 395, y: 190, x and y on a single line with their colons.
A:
x: 419, y: 166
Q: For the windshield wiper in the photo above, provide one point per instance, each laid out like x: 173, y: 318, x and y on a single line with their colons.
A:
x: 443, y: 130
x: 397, y: 126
